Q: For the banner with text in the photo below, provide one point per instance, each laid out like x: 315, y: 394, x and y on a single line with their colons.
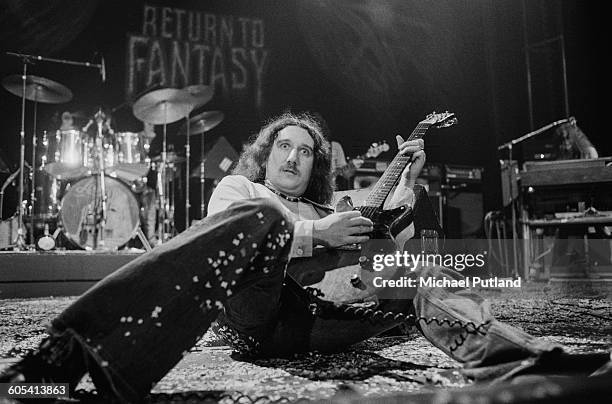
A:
x: 178, y: 47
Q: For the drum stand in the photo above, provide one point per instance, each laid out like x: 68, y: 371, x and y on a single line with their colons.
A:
x: 27, y: 59
x: 202, y: 181
x: 100, y: 150
x: 33, y: 172
x: 20, y: 241
x: 187, y: 173
x: 161, y: 185
x: 143, y: 239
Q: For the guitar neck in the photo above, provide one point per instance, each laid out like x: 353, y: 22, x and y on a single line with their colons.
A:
x: 376, y: 198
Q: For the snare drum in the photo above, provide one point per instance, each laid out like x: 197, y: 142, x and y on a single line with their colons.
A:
x: 69, y: 157
x: 79, y: 207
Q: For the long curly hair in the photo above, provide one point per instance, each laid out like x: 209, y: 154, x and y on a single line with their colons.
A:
x: 252, y: 162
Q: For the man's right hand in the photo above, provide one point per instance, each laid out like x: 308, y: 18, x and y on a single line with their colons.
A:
x: 340, y: 229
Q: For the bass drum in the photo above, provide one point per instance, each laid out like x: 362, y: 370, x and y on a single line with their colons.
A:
x: 84, y: 198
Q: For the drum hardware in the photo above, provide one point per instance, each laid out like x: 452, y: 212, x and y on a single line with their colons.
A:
x: 171, y: 158
x: 200, y: 124
x: 37, y: 89
x: 32, y: 174
x: 162, y: 107
x: 47, y: 242
x: 201, y: 95
x: 99, y: 117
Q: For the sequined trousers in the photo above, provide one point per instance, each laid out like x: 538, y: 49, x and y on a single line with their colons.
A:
x: 137, y: 323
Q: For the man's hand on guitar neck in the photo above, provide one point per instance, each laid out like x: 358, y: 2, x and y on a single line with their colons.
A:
x: 403, y: 193
x: 340, y: 229
x: 416, y: 148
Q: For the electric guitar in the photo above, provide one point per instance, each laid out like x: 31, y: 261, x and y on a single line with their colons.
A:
x: 345, y: 274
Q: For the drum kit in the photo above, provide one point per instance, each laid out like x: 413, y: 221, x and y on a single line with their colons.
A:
x: 82, y: 180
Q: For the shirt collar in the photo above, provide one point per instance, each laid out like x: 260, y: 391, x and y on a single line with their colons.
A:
x: 290, y: 198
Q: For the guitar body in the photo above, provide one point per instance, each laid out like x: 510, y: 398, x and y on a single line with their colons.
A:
x: 345, y: 275
x: 332, y: 270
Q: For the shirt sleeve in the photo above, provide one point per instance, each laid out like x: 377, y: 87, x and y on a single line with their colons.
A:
x: 302, y: 239
x: 231, y: 189
x: 235, y: 188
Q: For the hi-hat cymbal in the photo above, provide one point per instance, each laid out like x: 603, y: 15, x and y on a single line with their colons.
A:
x: 162, y: 106
x: 171, y: 157
x: 200, y: 93
x: 38, y: 89
x: 202, y: 123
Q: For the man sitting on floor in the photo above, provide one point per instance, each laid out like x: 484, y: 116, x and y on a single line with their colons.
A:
x: 131, y: 328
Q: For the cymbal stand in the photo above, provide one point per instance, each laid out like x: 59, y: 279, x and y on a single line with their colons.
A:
x: 27, y: 59
x: 20, y: 241
x: 202, y: 180
x: 100, y: 150
x: 33, y: 171
x: 161, y: 183
x: 187, y: 172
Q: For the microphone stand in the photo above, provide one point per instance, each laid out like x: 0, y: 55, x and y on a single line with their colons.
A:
x: 509, y: 145
x: 28, y: 59
x: 63, y: 61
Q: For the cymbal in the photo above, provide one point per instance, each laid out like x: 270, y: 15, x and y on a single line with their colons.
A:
x: 38, y: 89
x: 202, y: 123
x: 171, y: 157
x: 200, y: 93
x: 166, y: 105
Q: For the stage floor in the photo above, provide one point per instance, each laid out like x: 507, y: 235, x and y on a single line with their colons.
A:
x: 56, y: 273
x: 377, y: 366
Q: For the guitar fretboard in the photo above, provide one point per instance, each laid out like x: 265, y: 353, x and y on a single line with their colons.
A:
x: 376, y: 197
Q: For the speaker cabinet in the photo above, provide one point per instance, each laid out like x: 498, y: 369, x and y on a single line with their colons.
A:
x: 464, y: 214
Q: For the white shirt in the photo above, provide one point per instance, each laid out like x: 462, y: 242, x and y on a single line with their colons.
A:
x: 234, y: 188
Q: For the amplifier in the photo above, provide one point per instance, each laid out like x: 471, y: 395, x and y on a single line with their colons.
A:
x: 463, y: 174
x: 372, y: 166
x: 464, y: 201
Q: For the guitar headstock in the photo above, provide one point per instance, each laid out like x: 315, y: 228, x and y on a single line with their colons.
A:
x: 377, y: 148
x: 441, y: 120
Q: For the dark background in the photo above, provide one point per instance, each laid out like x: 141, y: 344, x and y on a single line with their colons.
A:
x: 370, y: 68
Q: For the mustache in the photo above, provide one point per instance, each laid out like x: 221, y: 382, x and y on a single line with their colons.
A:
x: 290, y: 167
